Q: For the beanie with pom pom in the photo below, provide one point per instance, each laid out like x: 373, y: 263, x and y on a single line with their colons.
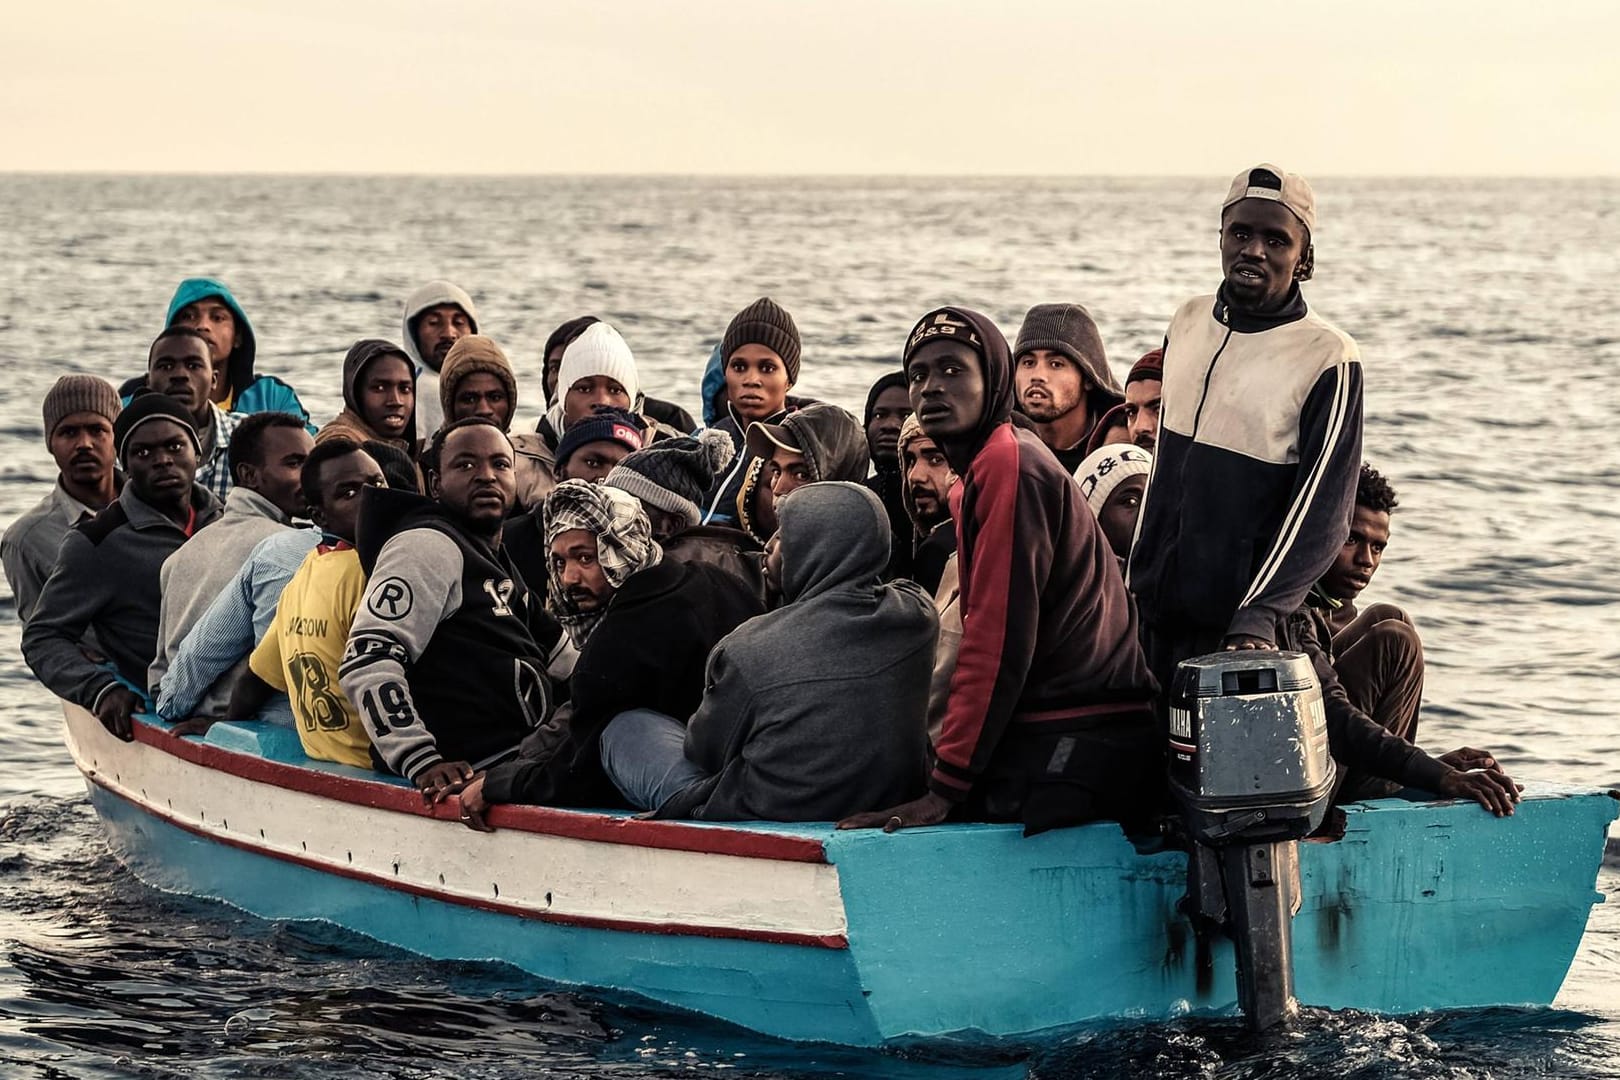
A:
x: 674, y: 474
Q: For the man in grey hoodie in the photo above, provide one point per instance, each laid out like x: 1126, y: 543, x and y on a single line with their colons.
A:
x: 437, y: 315
x: 809, y: 712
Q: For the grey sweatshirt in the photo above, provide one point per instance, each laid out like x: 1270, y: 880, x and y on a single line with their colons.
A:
x: 195, y: 575
x: 106, y: 579
x: 31, y: 543
x: 818, y: 709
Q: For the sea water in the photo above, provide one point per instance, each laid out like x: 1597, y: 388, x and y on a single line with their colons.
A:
x: 1486, y: 315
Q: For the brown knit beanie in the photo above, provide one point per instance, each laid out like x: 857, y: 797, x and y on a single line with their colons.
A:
x: 79, y: 393
x: 767, y: 323
x: 469, y: 356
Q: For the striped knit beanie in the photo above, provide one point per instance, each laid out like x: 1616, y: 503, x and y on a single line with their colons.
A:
x: 79, y: 393
x: 767, y: 323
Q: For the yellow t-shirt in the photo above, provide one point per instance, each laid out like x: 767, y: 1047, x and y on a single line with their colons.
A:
x: 301, y: 652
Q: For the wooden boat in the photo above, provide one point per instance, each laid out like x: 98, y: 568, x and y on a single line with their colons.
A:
x: 858, y: 938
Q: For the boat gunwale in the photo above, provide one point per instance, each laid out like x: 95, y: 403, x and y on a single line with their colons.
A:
x: 549, y: 821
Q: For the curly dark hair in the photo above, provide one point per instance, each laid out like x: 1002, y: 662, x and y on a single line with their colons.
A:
x: 1374, y: 492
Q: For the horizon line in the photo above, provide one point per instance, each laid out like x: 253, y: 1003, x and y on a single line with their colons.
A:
x: 677, y: 175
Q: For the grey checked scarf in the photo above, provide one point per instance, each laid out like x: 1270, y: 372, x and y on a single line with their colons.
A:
x: 624, y: 544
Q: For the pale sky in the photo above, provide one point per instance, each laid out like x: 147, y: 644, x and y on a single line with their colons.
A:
x: 1164, y: 87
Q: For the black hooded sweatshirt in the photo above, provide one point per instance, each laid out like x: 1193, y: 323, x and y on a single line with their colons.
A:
x: 1049, y: 719
x: 351, y: 423
x: 834, y: 447
x: 888, y: 483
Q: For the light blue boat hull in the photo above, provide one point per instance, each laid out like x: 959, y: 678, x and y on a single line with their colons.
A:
x: 975, y: 932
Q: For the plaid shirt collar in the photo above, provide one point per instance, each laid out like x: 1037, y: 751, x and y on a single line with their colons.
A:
x: 215, y: 473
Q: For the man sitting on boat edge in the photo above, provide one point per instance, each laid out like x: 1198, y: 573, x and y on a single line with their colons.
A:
x: 441, y: 661
x: 644, y: 626
x: 1049, y: 718
x: 106, y: 575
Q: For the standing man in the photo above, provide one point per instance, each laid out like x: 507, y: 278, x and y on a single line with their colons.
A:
x: 267, y: 454
x: 180, y: 364
x: 1064, y: 384
x: 1049, y: 719
x: 440, y: 662
x: 1259, y: 440
x: 79, y: 415
x: 437, y: 315
x: 106, y: 576
x: 1142, y: 395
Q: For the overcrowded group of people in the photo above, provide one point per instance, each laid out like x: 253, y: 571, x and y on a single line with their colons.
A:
x: 963, y: 605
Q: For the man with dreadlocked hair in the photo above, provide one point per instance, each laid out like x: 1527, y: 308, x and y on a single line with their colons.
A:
x: 644, y: 626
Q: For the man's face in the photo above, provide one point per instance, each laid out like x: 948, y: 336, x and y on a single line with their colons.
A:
x: 182, y: 368
x: 82, y: 444
x: 786, y: 471
x: 756, y: 382
x: 1262, y: 245
x: 214, y: 321
x: 1358, y: 559
x: 928, y: 482
x: 387, y: 395
x: 1142, y: 412
x: 279, y: 475
x: 437, y: 329
x: 482, y: 394
x: 593, y: 461
x: 476, y: 481
x: 161, y: 461
x: 341, y: 481
x: 548, y: 372
x: 772, y: 570
x: 584, y: 395
x: 1049, y: 384
x: 1118, y: 514
x: 573, y: 560
x: 889, y: 414
x: 947, y: 388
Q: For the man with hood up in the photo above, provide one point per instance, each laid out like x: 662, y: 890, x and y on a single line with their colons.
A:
x: 810, y: 711
x: 813, y: 445
x: 1049, y: 719
x: 207, y: 306
x: 437, y: 315
x: 379, y: 397
x: 888, y: 406
x: 1063, y: 380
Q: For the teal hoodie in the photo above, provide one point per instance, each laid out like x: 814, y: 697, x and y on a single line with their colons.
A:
x: 250, y: 392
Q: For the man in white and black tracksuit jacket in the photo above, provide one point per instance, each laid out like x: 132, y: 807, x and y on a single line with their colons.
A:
x: 1259, y: 446
x: 441, y: 663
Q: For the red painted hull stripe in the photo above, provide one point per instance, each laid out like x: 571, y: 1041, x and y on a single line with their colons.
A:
x: 549, y: 821
x: 774, y: 937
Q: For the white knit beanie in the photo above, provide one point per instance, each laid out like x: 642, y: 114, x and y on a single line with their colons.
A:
x: 1105, y: 467
x: 599, y: 351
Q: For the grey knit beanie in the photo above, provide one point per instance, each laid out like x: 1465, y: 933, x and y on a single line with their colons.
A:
x: 767, y: 323
x: 674, y: 475
x: 79, y: 393
x: 1064, y: 328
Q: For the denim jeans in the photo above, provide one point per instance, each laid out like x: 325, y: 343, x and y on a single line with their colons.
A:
x: 644, y: 754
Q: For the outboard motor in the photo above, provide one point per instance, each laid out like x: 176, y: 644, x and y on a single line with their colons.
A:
x: 1249, y: 765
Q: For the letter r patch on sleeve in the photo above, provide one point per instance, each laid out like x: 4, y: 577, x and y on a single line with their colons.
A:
x: 390, y: 599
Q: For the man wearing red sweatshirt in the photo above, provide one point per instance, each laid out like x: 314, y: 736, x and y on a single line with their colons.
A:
x: 1049, y: 719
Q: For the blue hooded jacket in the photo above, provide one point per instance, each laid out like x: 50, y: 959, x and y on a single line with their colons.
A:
x: 250, y: 393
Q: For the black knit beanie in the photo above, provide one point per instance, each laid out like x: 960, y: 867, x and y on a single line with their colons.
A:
x: 767, y: 323
x: 146, y: 407
x: 674, y: 475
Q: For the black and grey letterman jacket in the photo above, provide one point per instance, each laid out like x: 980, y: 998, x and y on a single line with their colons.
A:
x: 441, y: 663
x: 1254, y: 478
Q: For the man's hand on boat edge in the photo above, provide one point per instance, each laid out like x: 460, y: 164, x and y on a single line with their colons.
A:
x: 116, y: 711
x: 1477, y: 776
x: 928, y: 810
